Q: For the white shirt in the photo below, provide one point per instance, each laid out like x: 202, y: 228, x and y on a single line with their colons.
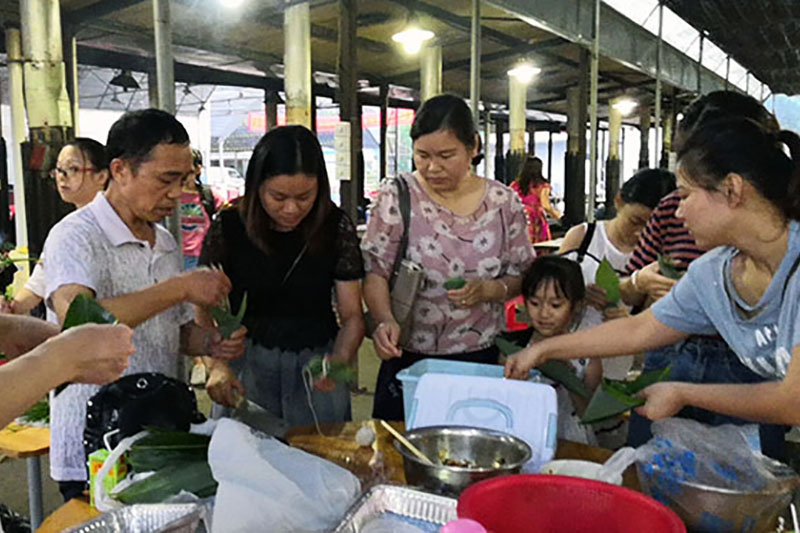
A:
x: 93, y: 247
x: 37, y: 283
x: 601, y: 247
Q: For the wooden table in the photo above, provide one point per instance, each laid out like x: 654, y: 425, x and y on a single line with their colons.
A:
x: 29, y: 443
x: 338, y: 445
x: 73, y: 513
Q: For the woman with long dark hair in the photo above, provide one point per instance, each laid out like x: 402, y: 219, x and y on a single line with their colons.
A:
x: 289, y: 248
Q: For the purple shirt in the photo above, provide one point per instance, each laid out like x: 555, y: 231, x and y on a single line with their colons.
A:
x: 487, y: 244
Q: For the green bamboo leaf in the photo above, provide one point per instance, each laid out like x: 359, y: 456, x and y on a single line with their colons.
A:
x: 456, y: 283
x: 646, y: 379
x: 85, y: 310
x: 337, y: 371
x: 608, y: 280
x: 667, y: 267
x: 609, y: 401
x: 562, y: 372
x: 38, y: 412
x: 226, y: 321
x: 506, y: 347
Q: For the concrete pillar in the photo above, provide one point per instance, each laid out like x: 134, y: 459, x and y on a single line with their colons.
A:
x: 644, y: 131
x: 531, y: 139
x: 352, y: 176
x: 575, y: 164
x: 71, y: 61
x: 18, y: 134
x: 668, y: 157
x: 659, y: 54
x: 152, y: 89
x: 165, y: 81
x: 593, y: 88
x: 517, y: 100
x: 297, y: 63
x: 430, y: 71
x: 499, y: 161
x: 165, y: 70
x: 384, y: 100
x: 475, y: 60
x: 271, y: 109
x: 49, y: 116
x: 47, y: 102
x: 614, y: 162
x: 487, y: 132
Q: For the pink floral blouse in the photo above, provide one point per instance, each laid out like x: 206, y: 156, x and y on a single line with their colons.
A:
x: 488, y: 244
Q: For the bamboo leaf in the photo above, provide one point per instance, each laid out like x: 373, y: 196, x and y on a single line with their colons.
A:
x: 667, y: 267
x: 456, y: 283
x: 562, y: 372
x: 85, y: 310
x: 646, y: 379
x: 506, y: 347
x: 608, y: 280
x: 226, y: 321
x: 337, y: 371
x: 608, y: 401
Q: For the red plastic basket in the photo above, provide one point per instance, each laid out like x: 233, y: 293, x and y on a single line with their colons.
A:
x: 538, y: 503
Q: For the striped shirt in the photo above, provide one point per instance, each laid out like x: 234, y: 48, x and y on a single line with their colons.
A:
x: 665, y: 235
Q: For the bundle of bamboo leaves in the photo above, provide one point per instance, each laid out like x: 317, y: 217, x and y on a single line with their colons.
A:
x: 179, y: 461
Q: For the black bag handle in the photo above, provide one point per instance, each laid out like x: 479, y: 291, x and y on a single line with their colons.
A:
x: 587, y: 240
x: 404, y: 204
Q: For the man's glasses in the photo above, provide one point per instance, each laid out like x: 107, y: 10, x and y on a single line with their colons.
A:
x: 69, y: 171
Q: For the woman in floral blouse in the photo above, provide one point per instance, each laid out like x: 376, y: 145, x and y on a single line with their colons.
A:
x: 461, y: 225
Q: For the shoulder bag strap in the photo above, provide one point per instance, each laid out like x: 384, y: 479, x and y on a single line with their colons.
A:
x: 404, y: 204
x: 587, y: 240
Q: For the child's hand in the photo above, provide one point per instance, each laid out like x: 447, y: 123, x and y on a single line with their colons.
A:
x: 612, y: 313
x: 596, y: 296
x: 519, y: 365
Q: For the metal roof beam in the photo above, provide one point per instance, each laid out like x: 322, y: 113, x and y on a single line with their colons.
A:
x: 621, y: 39
x: 97, y: 10
x: 519, y: 49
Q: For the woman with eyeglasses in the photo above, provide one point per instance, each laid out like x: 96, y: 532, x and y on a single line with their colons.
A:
x: 81, y: 171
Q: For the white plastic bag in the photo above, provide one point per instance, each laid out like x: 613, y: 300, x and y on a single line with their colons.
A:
x: 265, y: 485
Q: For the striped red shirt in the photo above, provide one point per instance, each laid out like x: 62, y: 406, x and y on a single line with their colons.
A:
x: 666, y: 235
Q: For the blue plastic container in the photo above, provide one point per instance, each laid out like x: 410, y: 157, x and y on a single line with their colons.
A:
x: 410, y: 376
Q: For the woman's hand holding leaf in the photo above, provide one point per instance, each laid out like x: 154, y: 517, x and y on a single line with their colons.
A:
x: 650, y: 281
x: 596, y: 296
x: 227, y: 349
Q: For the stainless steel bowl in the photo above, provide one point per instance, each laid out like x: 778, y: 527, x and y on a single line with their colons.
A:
x: 705, y: 508
x: 490, y: 454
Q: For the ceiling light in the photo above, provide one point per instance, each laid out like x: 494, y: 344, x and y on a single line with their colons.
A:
x: 231, y: 4
x: 412, y: 38
x: 625, y: 105
x: 524, y: 72
x: 125, y: 80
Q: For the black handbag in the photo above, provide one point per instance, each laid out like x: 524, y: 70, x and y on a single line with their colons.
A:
x: 128, y: 405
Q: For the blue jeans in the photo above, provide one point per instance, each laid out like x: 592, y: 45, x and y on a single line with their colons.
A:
x: 190, y: 262
x: 705, y: 360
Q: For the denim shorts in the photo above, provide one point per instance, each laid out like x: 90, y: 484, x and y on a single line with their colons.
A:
x: 705, y: 360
